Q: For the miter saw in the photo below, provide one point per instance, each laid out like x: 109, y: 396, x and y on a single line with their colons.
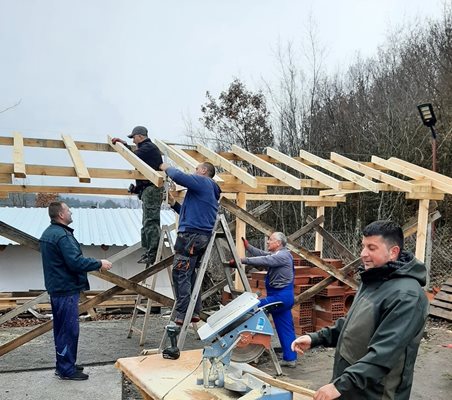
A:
x: 235, y: 335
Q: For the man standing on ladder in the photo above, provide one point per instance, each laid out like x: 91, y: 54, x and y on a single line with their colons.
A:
x: 197, y: 217
x: 147, y: 192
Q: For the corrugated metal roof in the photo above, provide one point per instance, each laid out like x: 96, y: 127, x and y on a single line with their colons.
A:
x: 92, y: 226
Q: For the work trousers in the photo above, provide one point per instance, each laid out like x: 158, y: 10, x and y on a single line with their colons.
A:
x: 150, y: 231
x: 65, y: 332
x: 282, y: 317
x: 189, y: 249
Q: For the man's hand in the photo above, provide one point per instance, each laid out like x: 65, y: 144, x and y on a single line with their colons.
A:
x: 327, y: 392
x: 171, y: 199
x: 245, y: 242
x: 301, y: 344
x: 232, y: 263
x: 116, y: 140
x: 106, y: 265
x: 164, y: 166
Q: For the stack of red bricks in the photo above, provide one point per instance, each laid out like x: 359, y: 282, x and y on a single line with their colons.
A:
x: 320, y: 310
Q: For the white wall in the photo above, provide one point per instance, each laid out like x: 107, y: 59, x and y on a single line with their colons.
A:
x: 21, y: 269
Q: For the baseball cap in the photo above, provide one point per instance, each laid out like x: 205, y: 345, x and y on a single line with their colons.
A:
x: 138, y: 130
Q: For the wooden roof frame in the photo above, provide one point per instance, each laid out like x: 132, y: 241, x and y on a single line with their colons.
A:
x: 334, y: 178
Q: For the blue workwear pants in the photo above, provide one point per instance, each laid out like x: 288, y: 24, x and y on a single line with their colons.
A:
x: 282, y: 317
x: 189, y: 249
x: 65, y: 332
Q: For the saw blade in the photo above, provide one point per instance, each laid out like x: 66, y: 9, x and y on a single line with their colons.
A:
x: 247, y: 353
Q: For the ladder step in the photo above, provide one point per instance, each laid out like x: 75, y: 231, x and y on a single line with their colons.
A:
x: 135, y: 329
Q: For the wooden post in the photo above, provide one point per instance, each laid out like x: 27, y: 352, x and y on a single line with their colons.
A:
x: 318, y: 236
x: 240, y: 231
x: 421, y: 237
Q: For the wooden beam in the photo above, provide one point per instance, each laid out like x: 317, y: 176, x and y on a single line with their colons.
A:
x: 421, y: 238
x: 50, y: 170
x: 307, y: 228
x: 318, y: 236
x: 284, y: 385
x: 151, y: 174
x: 267, y: 167
x: 372, y: 173
x: 320, y: 204
x: 6, y: 178
x: 441, y: 182
x: 18, y: 156
x: 295, y: 197
x: 43, y: 297
x: 240, y: 231
x: 218, y: 160
x: 268, y: 230
x: 304, y: 169
x: 57, y: 144
x: 77, y: 160
x: 62, y: 189
x: 337, y: 170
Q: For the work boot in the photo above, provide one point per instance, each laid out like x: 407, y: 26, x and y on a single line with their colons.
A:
x: 76, y: 376
x: 288, y: 364
x: 147, y: 258
x: 77, y: 368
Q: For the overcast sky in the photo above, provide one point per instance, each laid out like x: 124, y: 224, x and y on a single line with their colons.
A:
x: 91, y: 68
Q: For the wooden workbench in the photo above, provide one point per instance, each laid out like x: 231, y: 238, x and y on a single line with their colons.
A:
x: 159, y: 378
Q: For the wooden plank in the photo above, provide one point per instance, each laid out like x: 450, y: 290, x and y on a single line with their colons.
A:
x: 400, y: 184
x: 77, y: 160
x: 448, y: 282
x: 337, y: 170
x: 441, y: 182
x: 18, y: 156
x: 444, y: 296
x: 307, y: 228
x: 218, y: 160
x: 304, y: 169
x: 268, y: 230
x: 441, y: 312
x: 318, y: 237
x: 295, y: 197
x: 446, y: 288
x: 151, y: 174
x: 441, y: 304
x: 43, y: 297
x: 62, y: 189
x: 285, y: 385
x: 50, y: 170
x: 267, y: 167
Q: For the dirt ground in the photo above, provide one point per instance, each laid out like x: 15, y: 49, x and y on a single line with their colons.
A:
x: 103, y: 342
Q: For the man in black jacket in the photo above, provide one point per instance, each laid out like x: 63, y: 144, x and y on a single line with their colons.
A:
x: 377, y: 342
x: 147, y: 192
x: 65, y: 276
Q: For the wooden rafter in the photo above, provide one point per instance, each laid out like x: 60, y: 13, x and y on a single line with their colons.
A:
x: 267, y: 167
x: 61, y: 189
x: 304, y: 169
x: 233, y: 169
x: 18, y: 156
x: 337, y: 170
x: 77, y: 160
x: 151, y: 174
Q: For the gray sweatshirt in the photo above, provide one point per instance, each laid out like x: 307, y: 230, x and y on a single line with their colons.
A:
x: 279, y: 265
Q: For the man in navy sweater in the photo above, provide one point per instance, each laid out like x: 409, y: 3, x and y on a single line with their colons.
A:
x: 197, y: 217
x: 65, y: 276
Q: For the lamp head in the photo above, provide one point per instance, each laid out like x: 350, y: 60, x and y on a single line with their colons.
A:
x: 427, y: 115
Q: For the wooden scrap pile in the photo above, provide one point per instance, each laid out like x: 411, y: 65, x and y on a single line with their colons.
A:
x: 441, y: 306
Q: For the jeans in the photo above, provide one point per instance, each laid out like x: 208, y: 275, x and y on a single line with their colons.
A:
x: 189, y: 248
x: 65, y: 332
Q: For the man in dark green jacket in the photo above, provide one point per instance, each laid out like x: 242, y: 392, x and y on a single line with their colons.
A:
x: 377, y: 342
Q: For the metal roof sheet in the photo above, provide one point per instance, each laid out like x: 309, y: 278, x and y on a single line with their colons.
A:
x: 92, y: 226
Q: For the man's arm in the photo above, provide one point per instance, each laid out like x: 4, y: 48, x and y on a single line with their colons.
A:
x: 271, y: 260
x: 189, y: 181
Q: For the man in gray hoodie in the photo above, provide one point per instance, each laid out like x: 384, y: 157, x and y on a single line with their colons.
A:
x: 377, y: 342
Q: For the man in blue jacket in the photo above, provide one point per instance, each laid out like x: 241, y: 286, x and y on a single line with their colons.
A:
x: 279, y: 286
x: 197, y: 217
x: 377, y: 342
x: 65, y: 276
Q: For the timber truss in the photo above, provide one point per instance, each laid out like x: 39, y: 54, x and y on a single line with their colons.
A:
x: 333, y: 178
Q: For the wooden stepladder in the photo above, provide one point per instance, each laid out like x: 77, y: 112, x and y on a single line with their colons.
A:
x: 164, y: 250
x: 221, y: 236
